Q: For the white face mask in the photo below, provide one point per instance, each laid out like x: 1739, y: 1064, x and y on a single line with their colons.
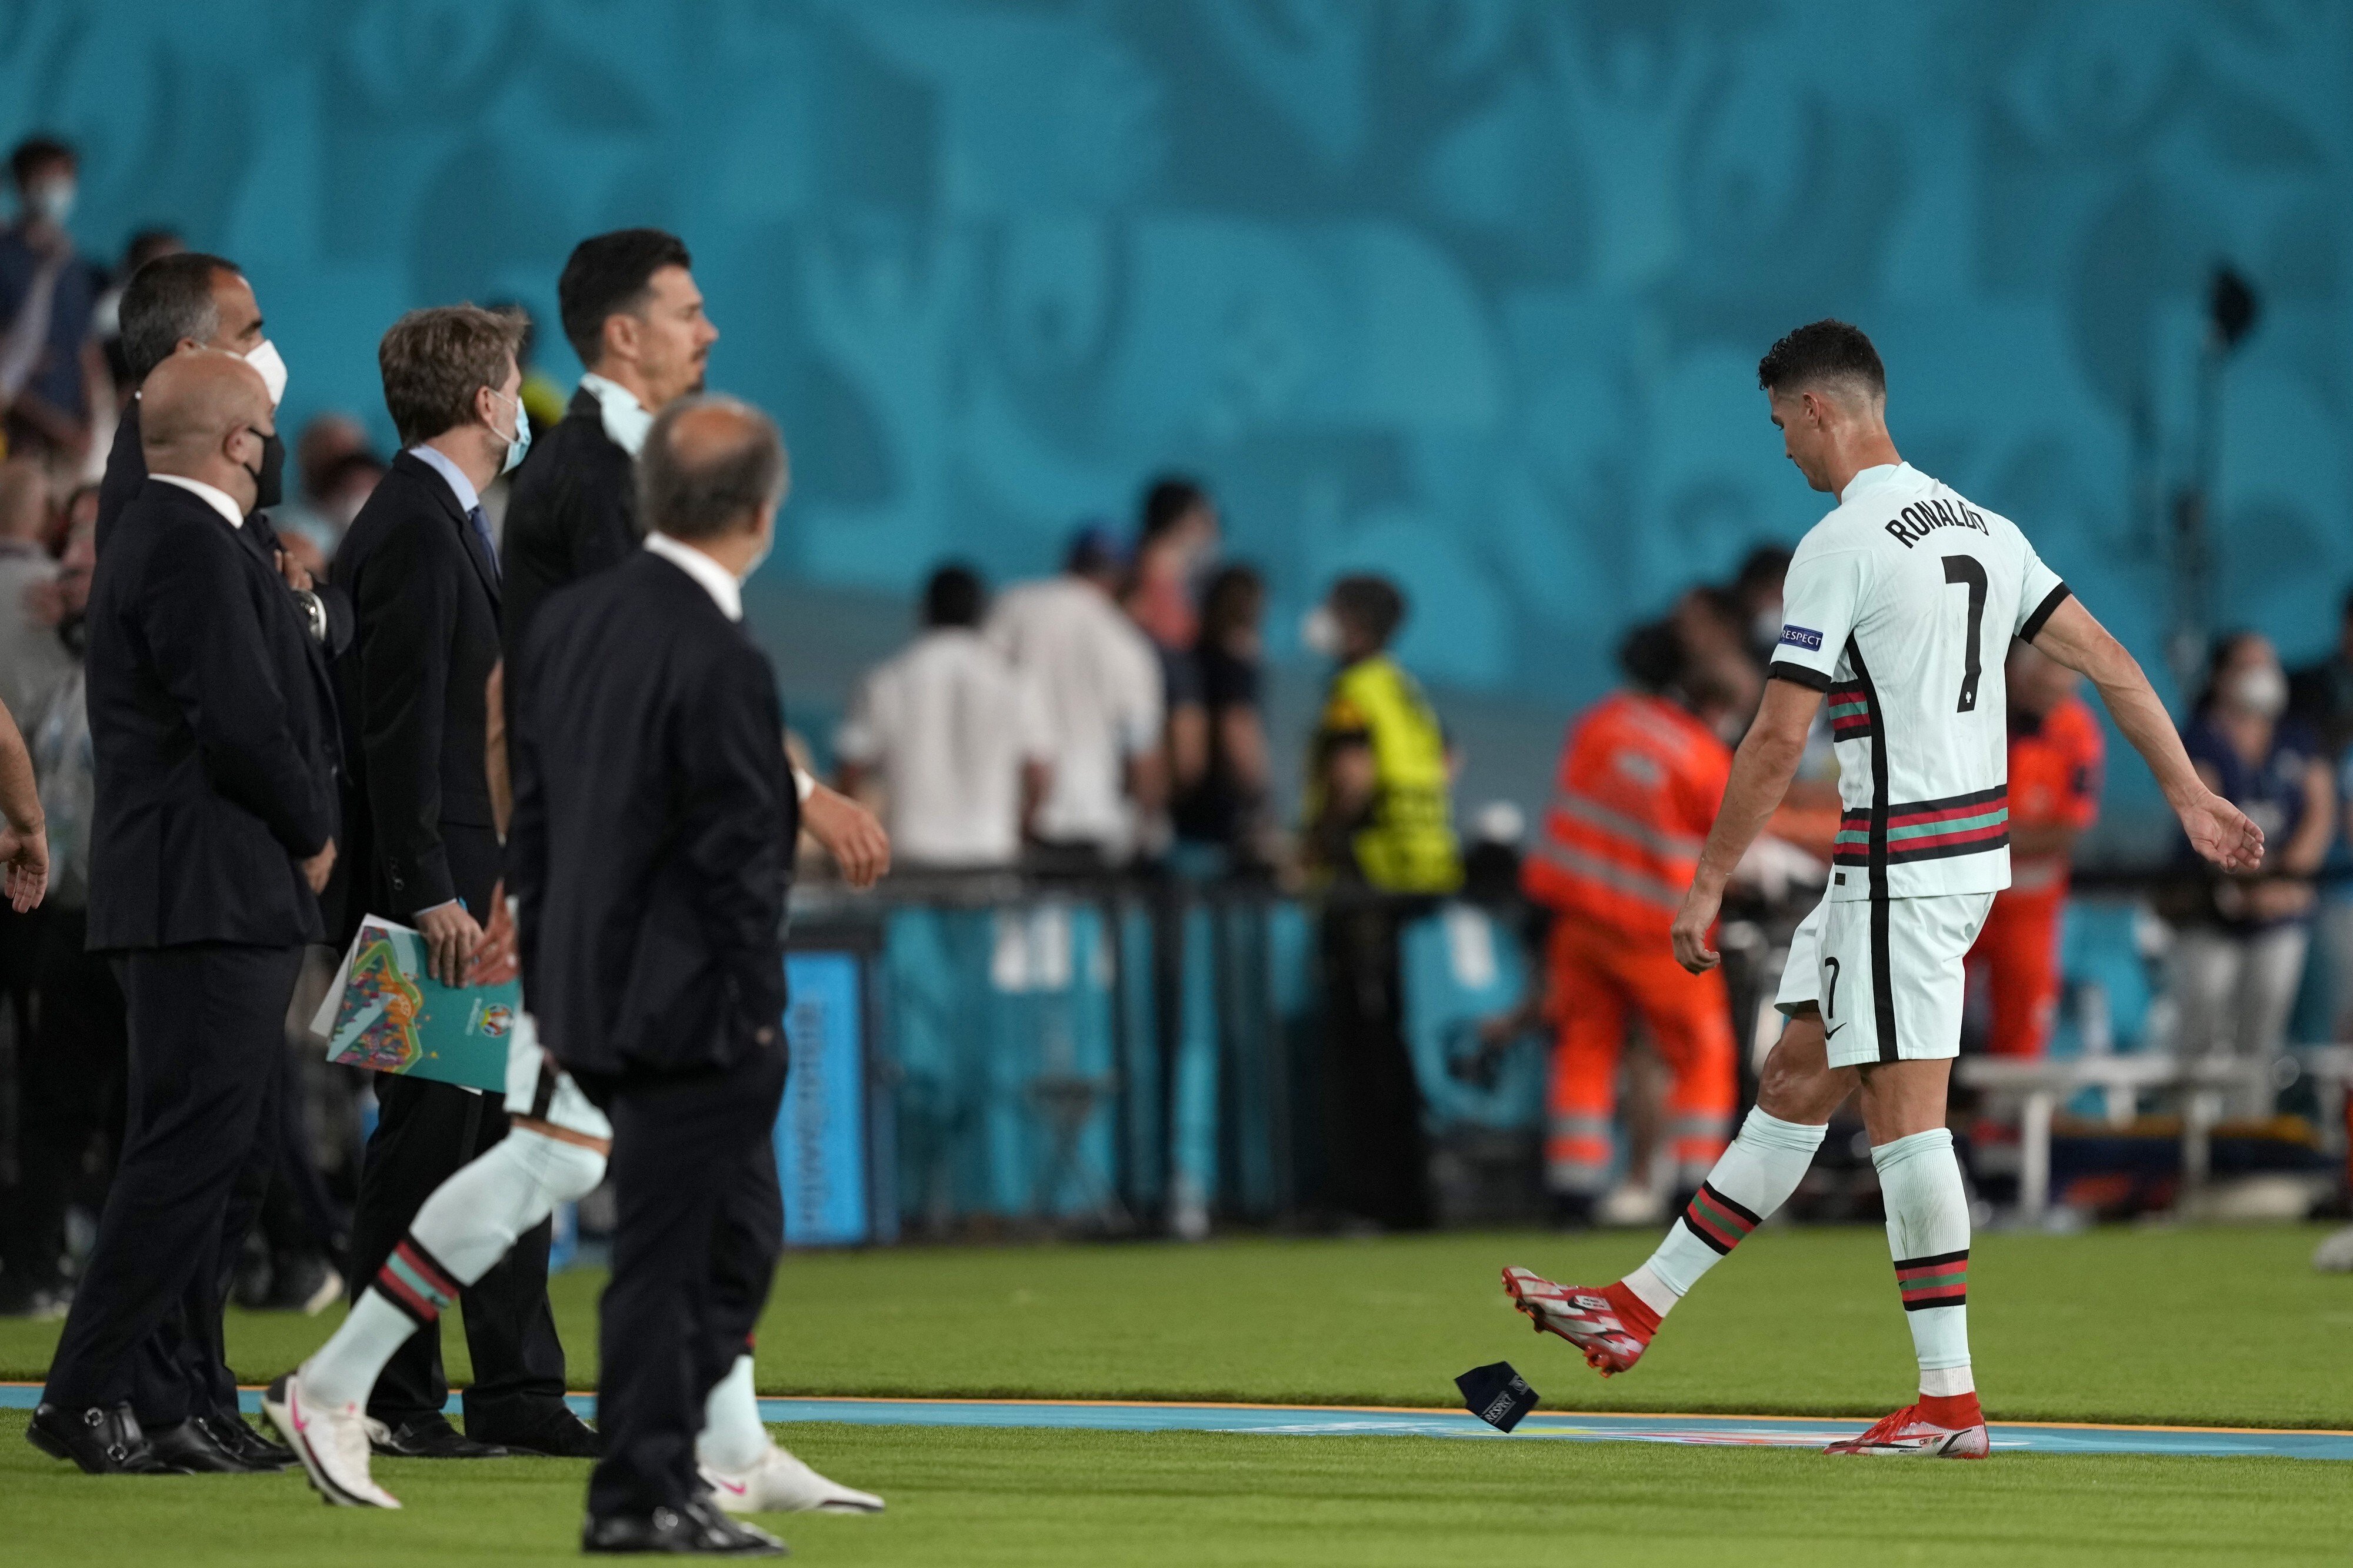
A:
x: 263, y: 357
x: 52, y: 199
x: 2262, y: 690
x: 1320, y: 630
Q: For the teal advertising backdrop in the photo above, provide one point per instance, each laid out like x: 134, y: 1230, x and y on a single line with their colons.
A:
x: 1470, y: 292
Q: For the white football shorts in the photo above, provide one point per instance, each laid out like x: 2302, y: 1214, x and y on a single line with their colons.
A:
x: 1889, y: 986
x: 544, y: 1091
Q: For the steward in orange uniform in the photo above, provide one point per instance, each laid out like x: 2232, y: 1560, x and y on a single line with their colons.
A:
x: 2056, y: 750
x: 1640, y: 781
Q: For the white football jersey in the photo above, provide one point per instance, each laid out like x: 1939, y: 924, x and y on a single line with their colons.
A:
x: 1899, y: 607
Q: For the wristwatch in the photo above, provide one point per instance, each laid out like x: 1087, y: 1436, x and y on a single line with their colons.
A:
x: 314, y: 612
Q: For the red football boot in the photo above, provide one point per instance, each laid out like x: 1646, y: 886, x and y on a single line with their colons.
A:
x: 1948, y: 1428
x: 1610, y: 1325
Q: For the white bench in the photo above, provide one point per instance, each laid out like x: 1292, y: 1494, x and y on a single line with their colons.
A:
x: 2042, y: 1087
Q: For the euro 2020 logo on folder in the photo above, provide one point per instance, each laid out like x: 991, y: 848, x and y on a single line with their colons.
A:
x: 387, y: 1014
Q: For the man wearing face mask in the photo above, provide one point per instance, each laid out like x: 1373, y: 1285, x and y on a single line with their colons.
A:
x: 424, y: 583
x: 190, y: 299
x: 213, y: 835
x: 48, y: 361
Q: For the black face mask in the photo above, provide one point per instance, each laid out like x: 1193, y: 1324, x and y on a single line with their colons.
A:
x: 269, y: 483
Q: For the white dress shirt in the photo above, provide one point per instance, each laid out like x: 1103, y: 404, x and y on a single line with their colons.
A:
x: 460, y: 485
x: 212, y: 495
x: 1100, y: 680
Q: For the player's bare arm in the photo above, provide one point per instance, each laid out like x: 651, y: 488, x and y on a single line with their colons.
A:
x: 1761, y: 771
x: 2217, y: 829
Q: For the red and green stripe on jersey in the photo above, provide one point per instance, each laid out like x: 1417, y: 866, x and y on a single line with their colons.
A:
x: 1929, y: 829
x: 1718, y: 1221
x: 1942, y: 1280
x: 1850, y: 716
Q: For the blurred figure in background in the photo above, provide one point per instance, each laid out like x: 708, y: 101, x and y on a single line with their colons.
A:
x: 2320, y: 697
x: 956, y: 739
x: 70, y: 1072
x: 1176, y: 544
x: 1641, y: 777
x: 48, y: 364
x: 2240, y: 939
x: 1100, y: 684
x: 1227, y: 808
x: 1379, y: 839
x: 327, y: 442
x: 31, y: 658
x: 2056, y: 752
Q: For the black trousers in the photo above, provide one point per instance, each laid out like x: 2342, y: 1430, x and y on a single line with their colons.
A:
x: 424, y: 1134
x: 206, y: 1053
x: 69, y: 1085
x: 700, y: 1221
x: 1376, y: 1154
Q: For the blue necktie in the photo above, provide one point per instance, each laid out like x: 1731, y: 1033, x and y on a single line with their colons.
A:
x: 483, y: 531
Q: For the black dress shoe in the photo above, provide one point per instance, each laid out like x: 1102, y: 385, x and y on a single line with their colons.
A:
x: 551, y: 1431
x: 433, y: 1438
x: 102, y: 1441
x: 191, y: 1448
x: 232, y: 1434
x: 697, y: 1530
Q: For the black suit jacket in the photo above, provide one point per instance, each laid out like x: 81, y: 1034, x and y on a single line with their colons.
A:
x: 211, y: 723
x: 426, y: 596
x: 572, y: 512
x: 126, y: 471
x: 654, y: 820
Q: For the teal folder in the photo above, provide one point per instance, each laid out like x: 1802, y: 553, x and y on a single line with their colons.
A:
x: 389, y: 1014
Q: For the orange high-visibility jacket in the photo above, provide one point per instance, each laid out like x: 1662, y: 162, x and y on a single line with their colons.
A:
x: 1640, y: 783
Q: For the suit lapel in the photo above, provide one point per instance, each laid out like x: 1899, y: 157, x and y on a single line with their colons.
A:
x: 476, y: 554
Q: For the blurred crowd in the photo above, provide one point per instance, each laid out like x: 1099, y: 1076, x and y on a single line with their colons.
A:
x: 1109, y: 720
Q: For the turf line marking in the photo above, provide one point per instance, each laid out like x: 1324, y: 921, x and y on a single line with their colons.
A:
x: 1411, y: 1421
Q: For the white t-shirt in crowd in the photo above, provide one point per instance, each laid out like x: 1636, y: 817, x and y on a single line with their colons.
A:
x: 1899, y: 608
x: 948, y: 722
x: 1101, y: 683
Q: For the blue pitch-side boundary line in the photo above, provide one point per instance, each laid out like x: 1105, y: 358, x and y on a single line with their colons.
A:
x: 1338, y: 1421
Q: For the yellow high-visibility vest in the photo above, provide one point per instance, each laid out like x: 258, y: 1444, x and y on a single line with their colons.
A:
x: 1407, y: 844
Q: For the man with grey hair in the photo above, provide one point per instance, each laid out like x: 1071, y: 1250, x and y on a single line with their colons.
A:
x: 654, y: 817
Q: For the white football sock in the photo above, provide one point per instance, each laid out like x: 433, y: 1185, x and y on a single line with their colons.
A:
x: 1928, y: 1237
x: 459, y: 1234
x: 733, y: 1437
x: 1755, y: 1177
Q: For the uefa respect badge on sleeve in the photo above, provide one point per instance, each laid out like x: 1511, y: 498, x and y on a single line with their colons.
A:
x: 387, y: 1014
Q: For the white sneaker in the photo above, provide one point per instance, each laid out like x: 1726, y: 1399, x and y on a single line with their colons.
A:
x: 778, y: 1483
x: 331, y: 1442
x: 2335, y: 1254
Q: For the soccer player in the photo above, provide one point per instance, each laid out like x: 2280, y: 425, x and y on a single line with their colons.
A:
x: 1899, y: 607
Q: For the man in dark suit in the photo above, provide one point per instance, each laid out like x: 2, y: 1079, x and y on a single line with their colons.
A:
x: 193, y: 301
x: 633, y: 314
x: 651, y: 855
x: 424, y: 578
x: 214, y: 833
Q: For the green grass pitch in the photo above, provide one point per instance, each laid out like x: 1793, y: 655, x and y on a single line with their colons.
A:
x: 2189, y: 1326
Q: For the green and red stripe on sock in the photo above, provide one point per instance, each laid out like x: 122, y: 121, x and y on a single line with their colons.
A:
x: 1942, y: 1280
x: 415, y: 1281
x: 1717, y: 1220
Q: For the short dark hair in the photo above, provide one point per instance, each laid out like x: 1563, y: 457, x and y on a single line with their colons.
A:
x: 1369, y: 605
x: 34, y: 152
x: 1166, y: 500
x: 1233, y: 602
x: 169, y: 298
x: 434, y: 360
x: 1821, y: 351
x: 699, y: 498
x: 1767, y: 566
x: 608, y: 275
x: 954, y: 597
x: 1652, y: 657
